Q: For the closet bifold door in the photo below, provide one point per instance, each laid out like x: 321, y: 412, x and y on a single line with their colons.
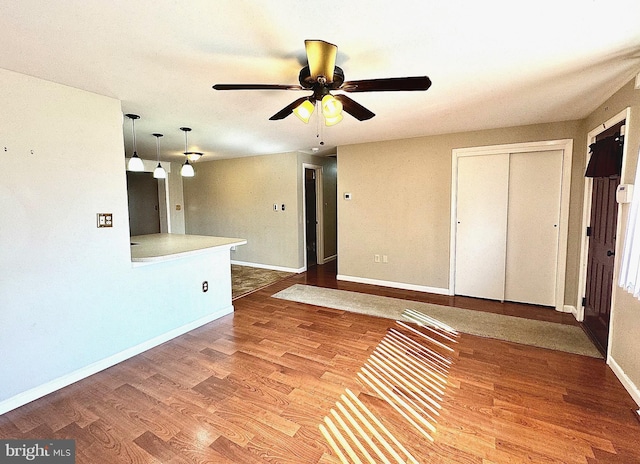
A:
x: 481, y: 226
x: 535, y: 181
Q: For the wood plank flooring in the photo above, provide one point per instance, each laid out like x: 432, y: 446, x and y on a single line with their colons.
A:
x: 284, y: 382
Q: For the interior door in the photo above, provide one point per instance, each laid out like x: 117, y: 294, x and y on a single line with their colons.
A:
x: 481, y: 226
x: 535, y: 182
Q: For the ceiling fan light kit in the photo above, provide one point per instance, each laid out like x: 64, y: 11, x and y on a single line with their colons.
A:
x: 322, y: 76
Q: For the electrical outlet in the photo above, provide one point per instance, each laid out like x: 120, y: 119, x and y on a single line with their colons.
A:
x: 385, y: 259
x: 205, y: 286
x: 376, y: 258
x: 275, y: 207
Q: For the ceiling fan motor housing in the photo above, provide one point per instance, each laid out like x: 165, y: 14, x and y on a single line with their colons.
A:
x: 309, y: 82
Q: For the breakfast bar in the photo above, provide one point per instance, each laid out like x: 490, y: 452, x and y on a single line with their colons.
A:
x: 146, y: 249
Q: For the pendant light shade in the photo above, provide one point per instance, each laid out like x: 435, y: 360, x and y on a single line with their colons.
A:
x: 135, y: 163
x: 159, y: 172
x: 187, y: 170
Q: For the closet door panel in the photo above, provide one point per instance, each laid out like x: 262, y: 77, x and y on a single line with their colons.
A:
x: 481, y: 225
x: 533, y: 227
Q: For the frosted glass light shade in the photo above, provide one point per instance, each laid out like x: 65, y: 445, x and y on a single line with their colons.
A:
x: 193, y: 155
x: 159, y: 172
x: 333, y: 120
x: 187, y: 170
x: 304, y: 111
x: 135, y: 163
x: 331, y: 107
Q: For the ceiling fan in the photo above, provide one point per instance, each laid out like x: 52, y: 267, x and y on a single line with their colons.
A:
x: 322, y: 76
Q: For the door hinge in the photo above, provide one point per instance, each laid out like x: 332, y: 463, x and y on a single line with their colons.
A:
x: 584, y: 302
x: 589, y: 231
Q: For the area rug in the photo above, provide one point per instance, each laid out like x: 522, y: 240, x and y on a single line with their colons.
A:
x: 247, y: 279
x: 568, y: 338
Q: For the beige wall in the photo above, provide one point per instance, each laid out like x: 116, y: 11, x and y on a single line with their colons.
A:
x: 235, y: 198
x: 625, y: 323
x: 401, y: 203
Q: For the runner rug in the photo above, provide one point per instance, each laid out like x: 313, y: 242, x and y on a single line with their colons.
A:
x: 568, y: 338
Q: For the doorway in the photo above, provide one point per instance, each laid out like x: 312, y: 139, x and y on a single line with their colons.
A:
x: 313, y: 213
x: 144, y: 208
x: 601, y: 234
x: 311, y: 217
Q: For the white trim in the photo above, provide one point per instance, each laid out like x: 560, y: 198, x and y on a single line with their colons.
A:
x: 319, y: 213
x: 566, y: 145
x: 41, y: 390
x: 623, y: 115
x: 571, y: 309
x: 400, y: 285
x: 269, y: 266
x: 633, y: 390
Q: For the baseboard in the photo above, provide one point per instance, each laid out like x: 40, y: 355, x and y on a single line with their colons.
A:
x: 401, y: 285
x: 41, y: 390
x: 571, y: 309
x: 268, y: 266
x: 625, y: 380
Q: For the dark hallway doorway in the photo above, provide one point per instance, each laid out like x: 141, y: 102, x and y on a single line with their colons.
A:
x: 311, y: 217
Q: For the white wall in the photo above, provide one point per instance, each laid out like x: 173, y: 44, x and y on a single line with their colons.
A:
x: 71, y: 302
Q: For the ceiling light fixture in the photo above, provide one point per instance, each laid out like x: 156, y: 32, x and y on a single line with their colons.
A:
x: 159, y: 172
x: 193, y: 155
x: 187, y: 169
x: 135, y: 163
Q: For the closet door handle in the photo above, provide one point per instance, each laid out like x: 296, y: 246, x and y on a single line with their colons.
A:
x: 610, y: 253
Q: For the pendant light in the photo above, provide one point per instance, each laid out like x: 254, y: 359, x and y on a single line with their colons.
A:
x: 135, y: 163
x: 159, y: 172
x: 187, y: 169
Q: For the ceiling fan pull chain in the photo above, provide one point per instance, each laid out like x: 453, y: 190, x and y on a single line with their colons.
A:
x: 319, y: 126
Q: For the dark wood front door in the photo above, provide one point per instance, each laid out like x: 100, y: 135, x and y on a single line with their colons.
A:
x: 602, y: 243
x: 600, y: 261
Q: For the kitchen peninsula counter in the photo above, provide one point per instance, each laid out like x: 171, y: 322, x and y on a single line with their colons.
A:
x: 163, y: 247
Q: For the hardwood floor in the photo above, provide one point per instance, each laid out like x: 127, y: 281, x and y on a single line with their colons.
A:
x: 284, y: 382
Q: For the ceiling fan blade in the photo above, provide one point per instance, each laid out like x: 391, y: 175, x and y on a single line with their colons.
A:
x: 354, y: 108
x: 321, y: 56
x: 388, y: 85
x: 287, y: 110
x: 257, y: 87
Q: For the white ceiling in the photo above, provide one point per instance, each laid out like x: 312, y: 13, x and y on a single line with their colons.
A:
x: 492, y: 63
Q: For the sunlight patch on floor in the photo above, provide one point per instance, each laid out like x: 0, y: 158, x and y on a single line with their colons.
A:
x: 408, y: 372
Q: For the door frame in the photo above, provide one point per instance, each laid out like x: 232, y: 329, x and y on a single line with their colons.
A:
x: 623, y: 115
x: 319, y: 214
x: 566, y: 145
